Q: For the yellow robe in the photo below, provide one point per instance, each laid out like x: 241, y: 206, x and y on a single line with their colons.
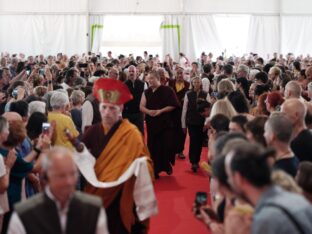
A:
x: 126, y: 145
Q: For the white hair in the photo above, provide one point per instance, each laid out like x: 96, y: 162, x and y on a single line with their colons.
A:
x: 59, y: 100
x: 253, y: 73
x: 37, y: 106
x: 243, y: 68
x: 77, y: 96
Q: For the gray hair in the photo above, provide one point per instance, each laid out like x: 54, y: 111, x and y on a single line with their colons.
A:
x: 37, y: 106
x: 46, y: 161
x: 77, y: 96
x: 294, y: 87
x: 253, y: 73
x: 281, y: 126
x: 243, y: 68
x: 59, y: 100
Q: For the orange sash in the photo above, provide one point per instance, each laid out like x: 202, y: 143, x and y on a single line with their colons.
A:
x: 123, y: 148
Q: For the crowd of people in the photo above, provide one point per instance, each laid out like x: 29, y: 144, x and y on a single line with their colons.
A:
x: 255, y: 116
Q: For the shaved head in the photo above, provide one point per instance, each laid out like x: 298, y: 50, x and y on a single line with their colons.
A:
x: 295, y: 110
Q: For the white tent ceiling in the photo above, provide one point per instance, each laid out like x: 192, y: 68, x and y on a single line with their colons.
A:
x: 159, y: 6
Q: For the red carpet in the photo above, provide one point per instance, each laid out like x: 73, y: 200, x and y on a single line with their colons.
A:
x: 175, y: 195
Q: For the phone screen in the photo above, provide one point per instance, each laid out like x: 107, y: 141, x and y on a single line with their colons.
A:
x: 45, y: 128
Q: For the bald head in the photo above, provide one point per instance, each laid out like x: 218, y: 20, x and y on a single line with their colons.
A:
x: 292, y: 90
x: 12, y: 116
x: 61, y: 171
x: 295, y: 110
x: 57, y: 156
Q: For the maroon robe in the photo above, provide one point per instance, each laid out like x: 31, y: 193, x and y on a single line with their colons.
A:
x: 160, y: 129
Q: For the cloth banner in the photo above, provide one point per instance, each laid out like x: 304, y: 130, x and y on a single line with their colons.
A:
x: 96, y: 32
x: 144, y: 195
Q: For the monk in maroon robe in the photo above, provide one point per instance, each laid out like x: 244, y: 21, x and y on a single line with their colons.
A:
x: 158, y: 103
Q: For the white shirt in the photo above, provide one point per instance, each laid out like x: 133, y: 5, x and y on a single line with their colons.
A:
x: 16, y: 226
x: 86, y: 114
x: 4, y: 204
x: 184, y: 110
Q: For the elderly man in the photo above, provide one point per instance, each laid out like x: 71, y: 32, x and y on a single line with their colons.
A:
x: 301, y: 145
x: 242, y: 71
x: 59, y: 102
x: 59, y: 209
x: 276, y: 211
x: 293, y: 90
x: 131, y: 109
x: 116, y: 143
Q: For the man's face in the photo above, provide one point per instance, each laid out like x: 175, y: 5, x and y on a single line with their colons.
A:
x: 234, y: 127
x: 132, y: 73
x: 110, y: 113
x: 180, y: 75
x: 62, y: 177
x: 113, y: 73
x: 152, y: 81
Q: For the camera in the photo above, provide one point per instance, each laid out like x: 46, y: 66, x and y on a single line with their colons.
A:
x: 45, y: 128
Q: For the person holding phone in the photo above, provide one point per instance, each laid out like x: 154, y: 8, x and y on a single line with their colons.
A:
x: 231, y: 216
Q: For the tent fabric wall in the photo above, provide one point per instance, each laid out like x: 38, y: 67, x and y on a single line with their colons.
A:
x: 96, y: 25
x: 264, y: 35
x: 200, y: 34
x: 296, y: 34
x: 46, y: 34
x: 170, y: 31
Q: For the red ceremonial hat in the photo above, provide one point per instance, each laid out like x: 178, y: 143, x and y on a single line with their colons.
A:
x: 111, y: 91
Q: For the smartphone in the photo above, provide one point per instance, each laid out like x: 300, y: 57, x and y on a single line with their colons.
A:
x: 14, y: 93
x: 83, y: 65
x: 200, y: 200
x: 214, y: 94
x: 45, y: 128
x: 41, y: 72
